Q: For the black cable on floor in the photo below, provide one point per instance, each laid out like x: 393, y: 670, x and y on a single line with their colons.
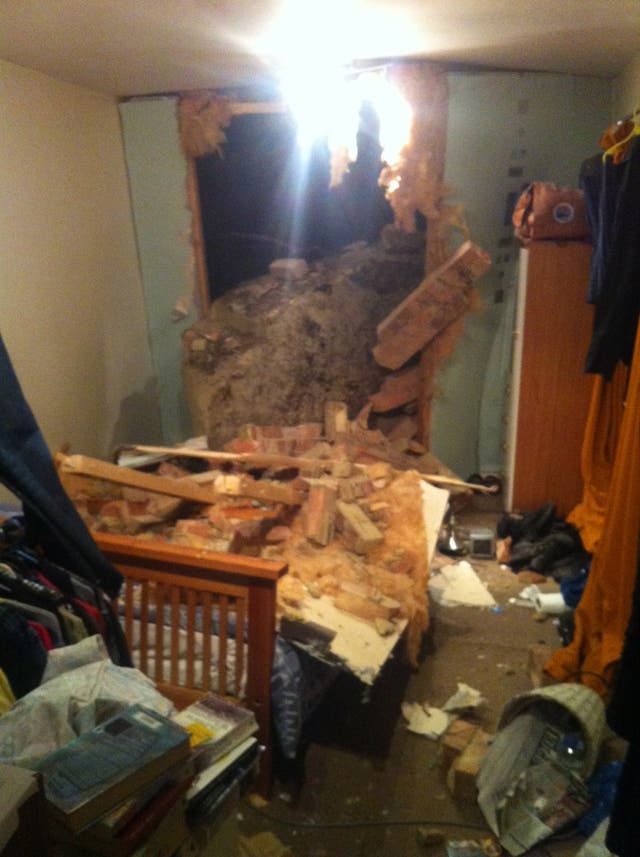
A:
x: 309, y: 825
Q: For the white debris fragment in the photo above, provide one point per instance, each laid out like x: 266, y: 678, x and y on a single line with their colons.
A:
x: 424, y: 720
x: 459, y: 584
x: 288, y: 269
x: 464, y: 697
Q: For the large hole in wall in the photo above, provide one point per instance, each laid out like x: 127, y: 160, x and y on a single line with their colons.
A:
x: 268, y: 197
x: 274, y: 346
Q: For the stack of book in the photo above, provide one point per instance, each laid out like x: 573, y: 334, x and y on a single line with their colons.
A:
x: 136, y: 783
x: 121, y: 787
x: 225, y: 751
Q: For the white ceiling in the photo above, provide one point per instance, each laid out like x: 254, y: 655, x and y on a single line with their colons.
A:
x: 132, y: 47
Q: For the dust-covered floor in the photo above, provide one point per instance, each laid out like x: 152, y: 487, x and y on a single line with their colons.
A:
x: 368, y: 783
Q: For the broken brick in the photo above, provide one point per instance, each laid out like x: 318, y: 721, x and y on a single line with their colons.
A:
x: 396, y: 390
x: 442, y: 297
x: 320, y: 512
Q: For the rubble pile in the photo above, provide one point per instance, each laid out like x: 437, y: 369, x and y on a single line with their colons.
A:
x: 345, y: 514
x: 274, y: 349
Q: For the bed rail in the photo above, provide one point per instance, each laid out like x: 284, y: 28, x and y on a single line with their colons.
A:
x: 182, y: 582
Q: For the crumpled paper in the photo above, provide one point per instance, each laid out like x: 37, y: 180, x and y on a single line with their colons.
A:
x: 425, y: 720
x: 465, y: 697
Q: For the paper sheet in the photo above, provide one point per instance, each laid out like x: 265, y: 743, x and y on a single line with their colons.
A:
x: 459, y: 584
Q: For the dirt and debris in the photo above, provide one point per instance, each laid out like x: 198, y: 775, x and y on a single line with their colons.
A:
x: 274, y: 349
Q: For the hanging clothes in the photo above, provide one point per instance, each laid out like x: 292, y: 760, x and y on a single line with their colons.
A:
x: 603, y: 612
x: 599, y: 445
x: 7, y: 697
x: 52, y: 522
x: 46, y: 593
x: 22, y: 655
x: 27, y: 469
x: 615, y: 283
x: 609, y: 516
x: 623, y: 716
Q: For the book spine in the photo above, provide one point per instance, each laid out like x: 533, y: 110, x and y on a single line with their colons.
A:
x: 144, y: 823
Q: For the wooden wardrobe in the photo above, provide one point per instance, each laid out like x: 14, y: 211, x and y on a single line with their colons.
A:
x: 550, y: 391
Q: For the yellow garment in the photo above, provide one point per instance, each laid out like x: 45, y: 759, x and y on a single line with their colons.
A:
x: 615, y: 135
x: 74, y: 626
x: 603, y: 612
x: 7, y: 698
x: 598, y: 455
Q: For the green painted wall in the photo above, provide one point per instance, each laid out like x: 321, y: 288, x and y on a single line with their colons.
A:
x: 505, y: 129
x: 157, y: 179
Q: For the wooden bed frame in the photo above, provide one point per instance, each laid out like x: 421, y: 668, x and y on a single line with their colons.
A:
x: 185, y: 579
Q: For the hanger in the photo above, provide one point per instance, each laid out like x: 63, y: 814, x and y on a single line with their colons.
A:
x: 635, y: 132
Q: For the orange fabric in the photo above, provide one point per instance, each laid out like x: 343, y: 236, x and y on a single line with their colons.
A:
x: 603, y: 612
x: 614, y: 134
x: 598, y: 454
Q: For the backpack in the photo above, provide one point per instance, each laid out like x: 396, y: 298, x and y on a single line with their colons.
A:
x: 545, y: 211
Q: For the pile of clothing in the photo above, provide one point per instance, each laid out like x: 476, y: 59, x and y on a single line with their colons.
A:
x: 43, y: 606
x: 541, y: 542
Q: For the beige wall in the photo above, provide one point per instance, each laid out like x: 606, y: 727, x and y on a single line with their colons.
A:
x: 626, y: 90
x: 71, y: 304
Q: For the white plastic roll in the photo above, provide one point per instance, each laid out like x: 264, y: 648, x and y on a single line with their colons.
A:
x: 551, y: 603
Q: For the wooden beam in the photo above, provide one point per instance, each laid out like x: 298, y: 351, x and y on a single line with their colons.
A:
x: 202, y: 295
x: 290, y: 493
x: 82, y: 465
x: 251, y: 459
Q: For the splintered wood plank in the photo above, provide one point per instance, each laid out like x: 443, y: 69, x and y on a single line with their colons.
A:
x: 260, y: 460
x: 83, y: 465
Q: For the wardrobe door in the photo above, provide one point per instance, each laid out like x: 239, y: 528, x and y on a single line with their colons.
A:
x: 551, y: 391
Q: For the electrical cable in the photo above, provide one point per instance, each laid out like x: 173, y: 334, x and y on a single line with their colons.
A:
x: 328, y: 825
x: 560, y: 836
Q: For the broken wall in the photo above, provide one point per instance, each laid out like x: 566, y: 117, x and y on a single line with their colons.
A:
x: 503, y: 130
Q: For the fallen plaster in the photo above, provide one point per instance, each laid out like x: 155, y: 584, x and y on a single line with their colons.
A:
x: 456, y: 585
